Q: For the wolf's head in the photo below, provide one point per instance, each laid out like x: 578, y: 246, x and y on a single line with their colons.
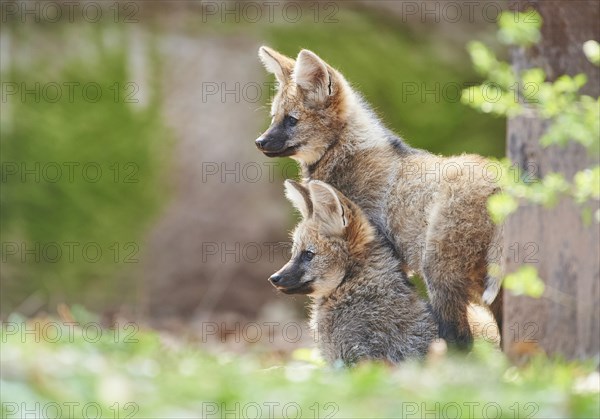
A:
x: 333, y: 234
x: 309, y: 109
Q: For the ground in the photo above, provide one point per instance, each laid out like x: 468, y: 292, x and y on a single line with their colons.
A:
x: 138, y: 373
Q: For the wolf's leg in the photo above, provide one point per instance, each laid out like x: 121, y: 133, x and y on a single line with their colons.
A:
x: 454, y: 260
x: 449, y: 299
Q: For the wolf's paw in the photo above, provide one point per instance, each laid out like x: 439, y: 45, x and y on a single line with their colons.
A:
x: 456, y: 339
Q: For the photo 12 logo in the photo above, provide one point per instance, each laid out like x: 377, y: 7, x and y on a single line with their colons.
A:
x: 68, y: 91
x: 468, y: 409
x: 268, y: 410
x: 69, y: 11
x: 69, y: 172
x: 55, y: 410
x: 69, y: 252
x: 269, y: 11
x: 428, y: 11
x: 70, y: 332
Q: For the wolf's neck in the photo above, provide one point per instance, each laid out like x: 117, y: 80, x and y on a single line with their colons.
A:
x: 362, y: 132
x: 382, y: 259
x: 364, y: 129
x: 379, y: 264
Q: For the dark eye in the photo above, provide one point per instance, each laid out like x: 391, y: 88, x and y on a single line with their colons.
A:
x: 307, y: 255
x: 290, y: 121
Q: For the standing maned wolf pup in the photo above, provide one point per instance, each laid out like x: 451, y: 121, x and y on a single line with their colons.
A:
x: 364, y: 308
x: 432, y: 209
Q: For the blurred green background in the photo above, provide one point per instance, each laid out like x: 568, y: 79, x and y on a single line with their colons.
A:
x: 154, y: 127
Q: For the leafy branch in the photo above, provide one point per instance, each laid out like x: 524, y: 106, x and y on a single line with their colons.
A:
x: 571, y: 117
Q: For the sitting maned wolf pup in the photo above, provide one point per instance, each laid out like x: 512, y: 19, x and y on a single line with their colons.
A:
x: 364, y: 308
x: 432, y: 209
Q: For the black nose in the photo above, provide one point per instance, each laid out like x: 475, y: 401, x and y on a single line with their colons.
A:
x: 275, y: 278
x: 260, y: 143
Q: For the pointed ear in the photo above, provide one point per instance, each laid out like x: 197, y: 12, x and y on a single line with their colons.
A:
x: 276, y: 63
x: 299, y: 196
x: 327, y: 207
x: 312, y: 76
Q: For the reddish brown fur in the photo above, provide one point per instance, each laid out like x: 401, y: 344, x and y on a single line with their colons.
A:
x: 363, y: 307
x: 432, y: 209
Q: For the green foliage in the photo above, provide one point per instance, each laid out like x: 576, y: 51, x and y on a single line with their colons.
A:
x: 141, y: 376
x: 587, y: 185
x: 95, y: 165
x: 501, y: 206
x: 495, y: 96
x: 572, y: 118
x: 520, y: 28
x: 525, y: 282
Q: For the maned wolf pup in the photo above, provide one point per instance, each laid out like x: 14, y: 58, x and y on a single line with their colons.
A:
x: 431, y: 208
x: 363, y: 306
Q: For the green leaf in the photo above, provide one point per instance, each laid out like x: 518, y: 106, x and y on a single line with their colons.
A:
x: 501, y: 206
x: 533, y: 75
x: 591, y: 49
x: 483, y: 58
x: 525, y: 281
x: 587, y: 185
x: 521, y: 29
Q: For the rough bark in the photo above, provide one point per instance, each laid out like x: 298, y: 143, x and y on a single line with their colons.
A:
x: 566, y: 319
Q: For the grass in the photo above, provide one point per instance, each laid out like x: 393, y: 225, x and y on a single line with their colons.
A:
x: 142, y: 376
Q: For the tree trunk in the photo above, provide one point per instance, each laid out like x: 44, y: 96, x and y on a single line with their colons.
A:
x: 566, y: 319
